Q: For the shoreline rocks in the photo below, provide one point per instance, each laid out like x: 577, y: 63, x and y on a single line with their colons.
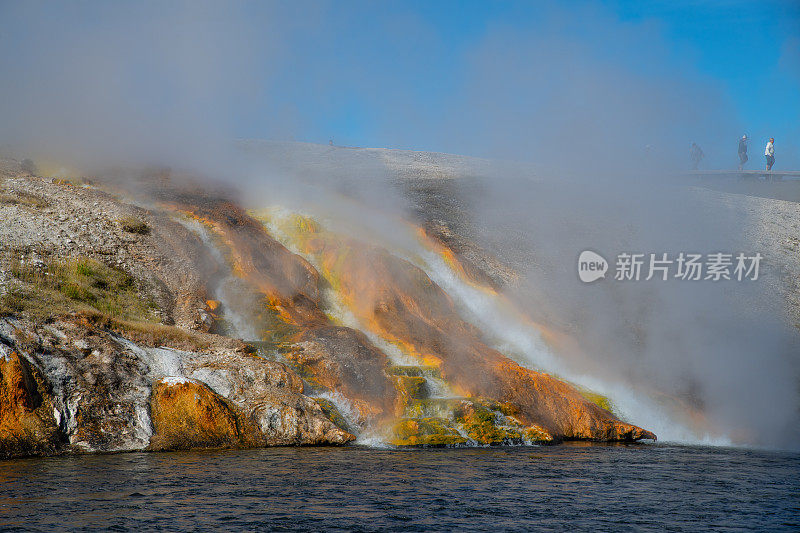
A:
x: 67, y: 388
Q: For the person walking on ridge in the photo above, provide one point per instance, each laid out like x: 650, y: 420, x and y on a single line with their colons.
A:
x: 769, y: 153
x: 696, y: 153
x: 742, y: 151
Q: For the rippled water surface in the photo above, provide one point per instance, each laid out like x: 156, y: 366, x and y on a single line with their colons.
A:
x: 361, y: 489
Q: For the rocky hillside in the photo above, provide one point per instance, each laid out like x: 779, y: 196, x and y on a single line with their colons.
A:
x: 162, y: 315
x: 105, y: 344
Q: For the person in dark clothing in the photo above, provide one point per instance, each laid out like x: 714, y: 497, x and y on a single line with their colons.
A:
x: 742, y: 151
x: 696, y: 153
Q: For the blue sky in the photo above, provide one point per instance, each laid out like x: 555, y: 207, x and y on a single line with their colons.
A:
x: 415, y: 58
x: 751, y: 48
x: 550, y: 82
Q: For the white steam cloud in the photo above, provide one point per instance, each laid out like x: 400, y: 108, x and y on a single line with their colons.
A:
x: 95, y: 84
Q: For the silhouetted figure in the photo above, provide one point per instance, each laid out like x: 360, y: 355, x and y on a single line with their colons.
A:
x: 696, y: 153
x: 742, y: 151
x: 769, y: 153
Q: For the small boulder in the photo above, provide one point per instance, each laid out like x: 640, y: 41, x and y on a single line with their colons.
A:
x: 188, y: 414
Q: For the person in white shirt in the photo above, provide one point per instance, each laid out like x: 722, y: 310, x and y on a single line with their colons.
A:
x: 769, y: 153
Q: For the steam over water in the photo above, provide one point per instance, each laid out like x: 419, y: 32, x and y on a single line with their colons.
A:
x: 621, y: 488
x: 502, y: 322
x: 522, y: 342
x: 595, y: 101
x: 673, y: 356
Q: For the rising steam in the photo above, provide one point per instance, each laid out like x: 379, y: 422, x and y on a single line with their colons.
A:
x: 94, y: 85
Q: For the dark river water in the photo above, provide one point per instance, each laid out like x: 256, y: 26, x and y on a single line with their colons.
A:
x: 585, y: 487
